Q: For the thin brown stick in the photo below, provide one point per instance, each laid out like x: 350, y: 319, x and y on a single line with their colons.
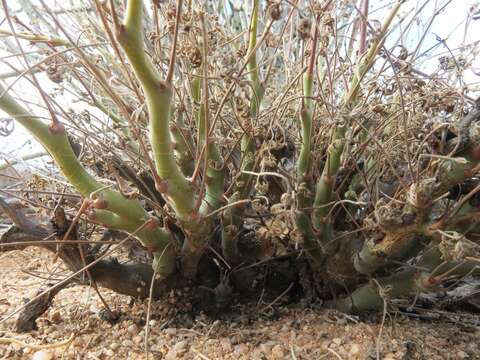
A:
x: 173, y: 50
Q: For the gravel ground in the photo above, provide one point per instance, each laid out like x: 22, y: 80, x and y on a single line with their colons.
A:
x: 292, y: 333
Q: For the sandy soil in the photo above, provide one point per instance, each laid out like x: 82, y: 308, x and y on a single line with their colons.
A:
x: 292, y: 333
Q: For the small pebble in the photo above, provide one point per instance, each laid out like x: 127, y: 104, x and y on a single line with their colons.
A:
x: 226, y: 344
x: 56, y: 317
x: 257, y: 354
x: 15, y: 346
x: 266, y: 347
x: 355, y: 349
x: 127, y: 343
x: 337, y: 341
x: 170, y: 331
x: 181, y: 346
x: 389, y: 356
x: 240, y: 348
x: 132, y: 330
x: 278, y: 352
x: 138, y: 339
x: 49, y: 330
x: 43, y: 355
x: 109, y: 352
x: 171, y: 355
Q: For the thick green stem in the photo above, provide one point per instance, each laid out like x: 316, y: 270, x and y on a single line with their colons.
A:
x: 56, y: 143
x: 374, y: 254
x: 198, y: 110
x: 369, y: 297
x: 252, y: 68
x: 158, y: 95
x: 324, y: 191
x: 233, y: 216
x: 198, y: 231
x: 311, y: 246
x: 247, y: 145
x: 448, y: 173
x: 158, y: 240
x: 306, y: 114
x: 183, y: 151
x: 197, y: 235
x: 375, y: 295
x: 325, y: 186
x: 214, y: 181
x: 304, y: 197
x: 55, y: 140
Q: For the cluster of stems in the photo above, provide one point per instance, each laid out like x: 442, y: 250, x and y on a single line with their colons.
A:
x: 316, y: 226
x: 175, y: 169
x: 190, y: 174
x: 232, y: 218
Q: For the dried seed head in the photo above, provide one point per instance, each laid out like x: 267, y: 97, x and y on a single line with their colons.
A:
x: 304, y: 29
x: 275, y: 11
x: 455, y: 246
x: 388, y: 215
x: 474, y: 133
x: 157, y: 3
x: 287, y: 199
x: 56, y: 67
x: 152, y: 36
x: 272, y: 41
x: 194, y: 55
x: 171, y: 12
x: 241, y: 52
x: 421, y: 194
x: 241, y: 108
x: 55, y: 73
x: 262, y: 187
x: 187, y: 20
x: 328, y: 21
